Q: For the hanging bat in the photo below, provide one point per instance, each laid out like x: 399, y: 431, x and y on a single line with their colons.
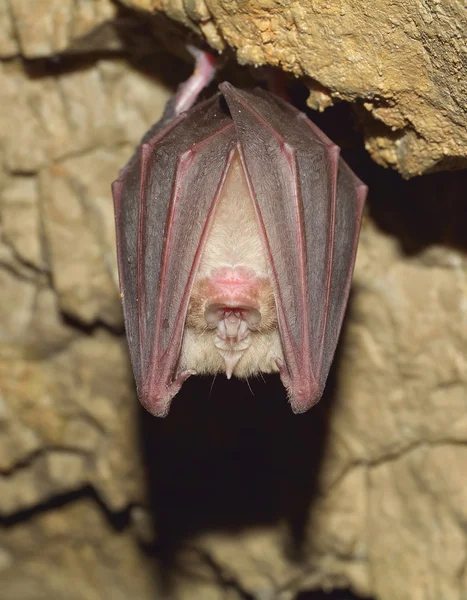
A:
x: 237, y: 226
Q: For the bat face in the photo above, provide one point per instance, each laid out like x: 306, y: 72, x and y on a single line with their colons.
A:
x: 237, y: 226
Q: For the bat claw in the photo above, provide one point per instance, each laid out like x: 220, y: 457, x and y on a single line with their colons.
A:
x: 282, y: 370
x: 183, y: 376
x: 175, y: 386
x: 157, y: 400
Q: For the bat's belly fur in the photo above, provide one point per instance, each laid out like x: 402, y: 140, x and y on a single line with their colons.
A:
x: 231, y: 324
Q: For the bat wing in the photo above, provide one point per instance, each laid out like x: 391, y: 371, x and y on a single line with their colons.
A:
x: 309, y: 206
x: 164, y: 201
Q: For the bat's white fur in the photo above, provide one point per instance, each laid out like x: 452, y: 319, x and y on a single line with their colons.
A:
x: 233, y: 241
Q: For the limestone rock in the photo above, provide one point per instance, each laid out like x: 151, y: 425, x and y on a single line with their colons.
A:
x: 60, y: 22
x: 367, y: 490
x: 72, y: 552
x: 67, y: 402
x: 403, y: 63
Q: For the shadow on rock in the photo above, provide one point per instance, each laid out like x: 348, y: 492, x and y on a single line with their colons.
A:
x: 231, y: 455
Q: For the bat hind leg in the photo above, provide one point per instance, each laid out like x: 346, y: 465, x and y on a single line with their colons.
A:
x: 204, y: 71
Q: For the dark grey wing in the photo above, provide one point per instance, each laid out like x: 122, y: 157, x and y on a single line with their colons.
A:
x: 309, y: 206
x: 164, y: 201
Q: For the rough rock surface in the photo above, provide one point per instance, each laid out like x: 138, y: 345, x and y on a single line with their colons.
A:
x: 365, y: 491
x: 87, y: 555
x: 47, y: 27
x: 63, y: 141
x: 404, y: 63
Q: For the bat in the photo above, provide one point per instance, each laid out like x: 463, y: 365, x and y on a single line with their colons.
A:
x: 237, y: 225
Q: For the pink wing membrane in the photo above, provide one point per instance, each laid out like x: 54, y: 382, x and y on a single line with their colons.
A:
x: 163, y: 201
x: 309, y: 206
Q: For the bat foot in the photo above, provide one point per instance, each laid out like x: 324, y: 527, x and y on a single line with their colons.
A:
x: 205, y: 69
x: 285, y: 377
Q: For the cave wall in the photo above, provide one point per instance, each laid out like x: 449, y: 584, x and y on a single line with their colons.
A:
x: 402, y: 62
x: 231, y: 496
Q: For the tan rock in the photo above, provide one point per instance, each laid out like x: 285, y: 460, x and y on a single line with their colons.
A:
x: 416, y: 519
x: 69, y: 421
x: 63, y: 143
x: 79, y: 237
x: 366, y: 491
x: 20, y: 220
x: 403, y: 62
x: 8, y: 41
x: 73, y: 552
x: 61, y: 22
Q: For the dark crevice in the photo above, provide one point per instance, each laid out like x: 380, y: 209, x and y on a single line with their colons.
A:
x: 26, y: 461
x: 150, y: 43
x: 118, y: 520
x: 90, y: 328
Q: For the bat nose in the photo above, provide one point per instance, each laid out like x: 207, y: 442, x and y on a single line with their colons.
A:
x: 232, y: 317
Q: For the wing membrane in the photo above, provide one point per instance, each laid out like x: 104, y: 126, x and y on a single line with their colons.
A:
x: 309, y: 207
x: 163, y: 201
